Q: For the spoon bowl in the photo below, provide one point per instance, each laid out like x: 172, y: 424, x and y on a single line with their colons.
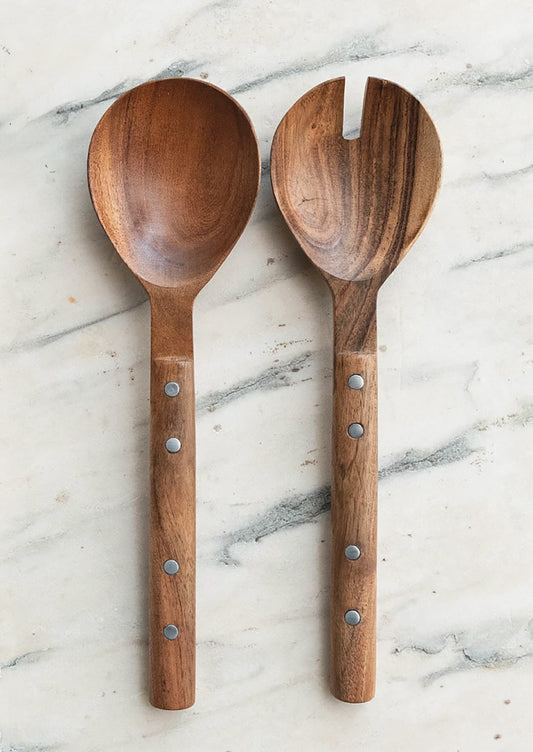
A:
x: 173, y: 175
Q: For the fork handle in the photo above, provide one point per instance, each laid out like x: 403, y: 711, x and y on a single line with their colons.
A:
x: 353, y: 519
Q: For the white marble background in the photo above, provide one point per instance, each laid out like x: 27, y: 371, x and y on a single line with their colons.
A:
x: 455, y: 588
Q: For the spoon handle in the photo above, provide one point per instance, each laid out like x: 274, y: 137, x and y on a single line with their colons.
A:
x: 353, y: 518
x: 172, y: 533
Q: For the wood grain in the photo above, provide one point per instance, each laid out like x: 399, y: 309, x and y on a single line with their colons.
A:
x: 173, y: 174
x: 356, y: 207
x: 172, y: 516
x: 172, y: 501
x: 354, y: 522
x: 174, y: 171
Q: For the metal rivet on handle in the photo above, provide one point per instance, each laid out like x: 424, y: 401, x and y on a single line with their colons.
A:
x: 171, y: 566
x: 172, y: 389
x: 356, y: 381
x: 352, y: 617
x: 170, y: 632
x: 355, y: 430
x: 173, y: 445
x: 352, y: 553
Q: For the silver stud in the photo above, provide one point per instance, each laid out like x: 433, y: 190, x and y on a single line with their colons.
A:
x: 172, y: 389
x: 352, y: 553
x: 356, y: 381
x: 173, y: 445
x: 170, y: 632
x: 352, y: 617
x: 355, y: 430
x: 171, y: 566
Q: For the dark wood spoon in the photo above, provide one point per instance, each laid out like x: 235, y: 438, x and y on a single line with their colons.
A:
x: 174, y: 171
x: 355, y: 206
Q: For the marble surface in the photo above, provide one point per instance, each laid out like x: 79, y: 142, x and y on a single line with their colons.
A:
x: 455, y: 632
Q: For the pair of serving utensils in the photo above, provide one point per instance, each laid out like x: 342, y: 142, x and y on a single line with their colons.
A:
x: 174, y: 170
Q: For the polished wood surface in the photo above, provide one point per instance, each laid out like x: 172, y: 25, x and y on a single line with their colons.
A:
x: 353, y: 522
x: 174, y: 171
x: 356, y: 207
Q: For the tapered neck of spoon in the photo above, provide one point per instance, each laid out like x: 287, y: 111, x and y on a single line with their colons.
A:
x: 354, y: 315
x: 171, y: 330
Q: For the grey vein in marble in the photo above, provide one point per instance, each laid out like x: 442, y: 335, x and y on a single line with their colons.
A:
x: 275, y: 377
x: 175, y: 70
x: 303, y: 508
x: 509, y: 174
x: 503, y: 78
x: 31, y: 657
x: 48, y: 339
x: 499, y: 646
x: 494, y: 255
x: 297, y: 509
x: 355, y: 51
x: 475, y: 78
x: 415, y: 459
x: 455, y: 450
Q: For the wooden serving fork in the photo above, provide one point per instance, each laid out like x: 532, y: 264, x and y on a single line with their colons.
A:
x: 355, y: 207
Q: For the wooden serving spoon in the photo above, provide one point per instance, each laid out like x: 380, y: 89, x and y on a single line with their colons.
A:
x: 355, y: 207
x: 174, y: 171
